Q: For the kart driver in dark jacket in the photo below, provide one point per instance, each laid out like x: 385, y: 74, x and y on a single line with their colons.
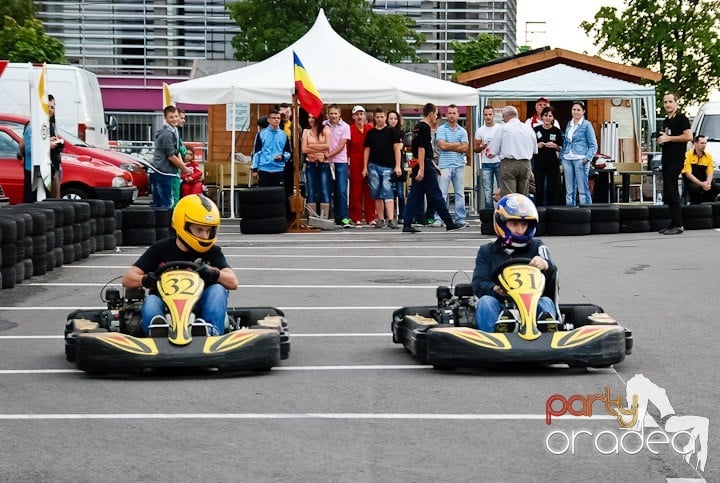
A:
x: 515, y: 220
x: 195, y: 220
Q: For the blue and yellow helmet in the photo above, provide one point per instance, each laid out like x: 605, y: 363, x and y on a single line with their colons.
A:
x: 515, y: 207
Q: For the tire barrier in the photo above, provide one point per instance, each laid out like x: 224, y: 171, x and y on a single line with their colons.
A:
x: 697, y: 217
x: 138, y: 226
x: 261, y: 210
x: 568, y: 220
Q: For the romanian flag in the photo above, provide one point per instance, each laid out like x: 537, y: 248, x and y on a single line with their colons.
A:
x: 307, y: 95
x: 3, y: 64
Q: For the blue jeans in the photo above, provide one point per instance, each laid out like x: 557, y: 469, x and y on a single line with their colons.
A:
x: 212, y: 307
x: 340, y: 196
x: 456, y: 176
x: 488, y: 309
x: 576, y: 178
x: 317, y: 182
x: 490, y: 172
x: 399, y: 191
x: 162, y: 190
x: 418, y: 189
x: 381, y: 188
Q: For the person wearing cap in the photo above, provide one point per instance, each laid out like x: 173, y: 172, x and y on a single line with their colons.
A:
x: 339, y: 136
x: 361, y: 203
x: 536, y: 119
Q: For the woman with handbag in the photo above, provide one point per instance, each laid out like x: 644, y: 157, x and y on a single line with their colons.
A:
x: 579, y: 148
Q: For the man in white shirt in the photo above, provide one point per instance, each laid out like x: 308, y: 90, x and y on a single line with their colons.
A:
x: 536, y: 119
x: 487, y: 140
x: 517, y: 147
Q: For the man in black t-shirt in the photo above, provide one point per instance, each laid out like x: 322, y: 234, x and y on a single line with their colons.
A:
x: 425, y: 176
x: 383, y: 148
x: 195, y: 220
x: 673, y: 137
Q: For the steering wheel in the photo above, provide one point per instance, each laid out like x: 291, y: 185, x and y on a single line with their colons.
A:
x: 507, y: 263
x: 175, y: 265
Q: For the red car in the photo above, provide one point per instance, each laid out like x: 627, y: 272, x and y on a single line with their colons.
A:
x: 76, y: 146
x: 82, y: 176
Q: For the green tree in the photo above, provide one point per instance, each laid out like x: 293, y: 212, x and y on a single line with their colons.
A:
x: 677, y: 38
x: 29, y: 43
x: 18, y: 10
x: 475, y: 52
x: 268, y: 26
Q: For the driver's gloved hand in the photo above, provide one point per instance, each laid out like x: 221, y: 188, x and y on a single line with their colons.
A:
x: 150, y: 280
x: 208, y: 273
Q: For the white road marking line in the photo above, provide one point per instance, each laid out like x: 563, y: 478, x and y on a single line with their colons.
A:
x: 30, y: 309
x: 357, y: 416
x: 288, y: 269
x: 685, y: 480
x: 378, y: 286
x: 263, y: 255
x: 292, y: 334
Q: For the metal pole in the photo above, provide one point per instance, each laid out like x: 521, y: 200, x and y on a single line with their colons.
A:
x: 232, y: 166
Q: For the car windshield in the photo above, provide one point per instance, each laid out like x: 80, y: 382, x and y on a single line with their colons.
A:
x: 710, y: 127
x: 15, y: 126
x: 8, y: 146
x: 73, y: 139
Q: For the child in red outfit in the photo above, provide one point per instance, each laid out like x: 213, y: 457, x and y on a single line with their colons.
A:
x: 191, y: 183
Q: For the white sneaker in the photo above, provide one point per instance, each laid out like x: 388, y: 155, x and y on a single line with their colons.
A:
x: 437, y: 223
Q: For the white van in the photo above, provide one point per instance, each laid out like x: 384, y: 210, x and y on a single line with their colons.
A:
x: 78, y: 103
x: 707, y: 123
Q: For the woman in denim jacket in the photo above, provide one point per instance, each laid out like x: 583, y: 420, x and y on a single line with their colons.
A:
x: 578, y: 150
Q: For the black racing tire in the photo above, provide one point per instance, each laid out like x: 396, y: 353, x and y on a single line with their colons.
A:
x: 29, y: 267
x: 142, y: 218
x: 697, y: 211
x: 542, y: 213
x: 19, y: 251
x: 99, y: 242
x: 77, y: 247
x: 262, y: 210
x: 92, y: 224
x: 658, y: 212
x: 85, y: 231
x: 715, y: 207
x: 109, y: 225
x: 67, y: 212
x: 23, y: 220
x: 109, y: 241
x: 28, y: 243
x: 118, y: 219
x: 19, y: 272
x: 256, y: 196
x: 604, y: 227
x: 578, y: 314
x: 716, y: 221
x: 82, y: 210
x: 59, y: 256
x: 633, y: 213
x: 163, y: 217
x: 8, y: 230
x: 68, y: 234
x: 118, y: 238
x: 59, y: 236
x: 634, y: 226
x: 569, y: 229
x: 92, y: 245
x: 50, y: 260
x: 68, y: 254
x: 77, y: 232
x: 8, y: 255
x: 39, y: 244
x: 566, y: 215
x: 263, y: 226
x: 541, y: 229
x: 50, y: 239
x: 9, y: 276
x: 18, y: 221
x: 97, y: 208
x: 39, y: 263
x: 138, y: 236
x: 99, y: 226
x: 109, y: 208
x: 608, y: 213
x: 698, y: 223
x: 35, y: 221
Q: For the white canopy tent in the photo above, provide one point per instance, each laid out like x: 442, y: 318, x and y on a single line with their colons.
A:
x: 564, y: 82
x: 341, y: 72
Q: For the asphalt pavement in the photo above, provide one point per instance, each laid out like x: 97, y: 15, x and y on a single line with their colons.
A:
x: 349, y: 405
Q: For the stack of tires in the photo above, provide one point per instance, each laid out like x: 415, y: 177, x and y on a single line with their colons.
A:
x: 144, y: 225
x: 486, y: 221
x: 604, y: 219
x: 105, y: 227
x: 697, y: 217
x: 41, y: 232
x: 80, y: 228
x: 634, y: 218
x: 658, y: 217
x: 56, y: 242
x: 65, y: 231
x: 262, y: 210
x: 12, y: 248
x: 568, y: 220
x: 715, y: 213
x: 138, y: 226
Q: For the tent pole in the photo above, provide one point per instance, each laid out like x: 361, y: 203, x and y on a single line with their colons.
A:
x: 232, y: 166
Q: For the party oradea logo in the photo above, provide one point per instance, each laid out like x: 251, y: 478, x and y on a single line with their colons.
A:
x: 637, y: 431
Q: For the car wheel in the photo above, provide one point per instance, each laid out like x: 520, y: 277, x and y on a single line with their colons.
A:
x: 74, y: 194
